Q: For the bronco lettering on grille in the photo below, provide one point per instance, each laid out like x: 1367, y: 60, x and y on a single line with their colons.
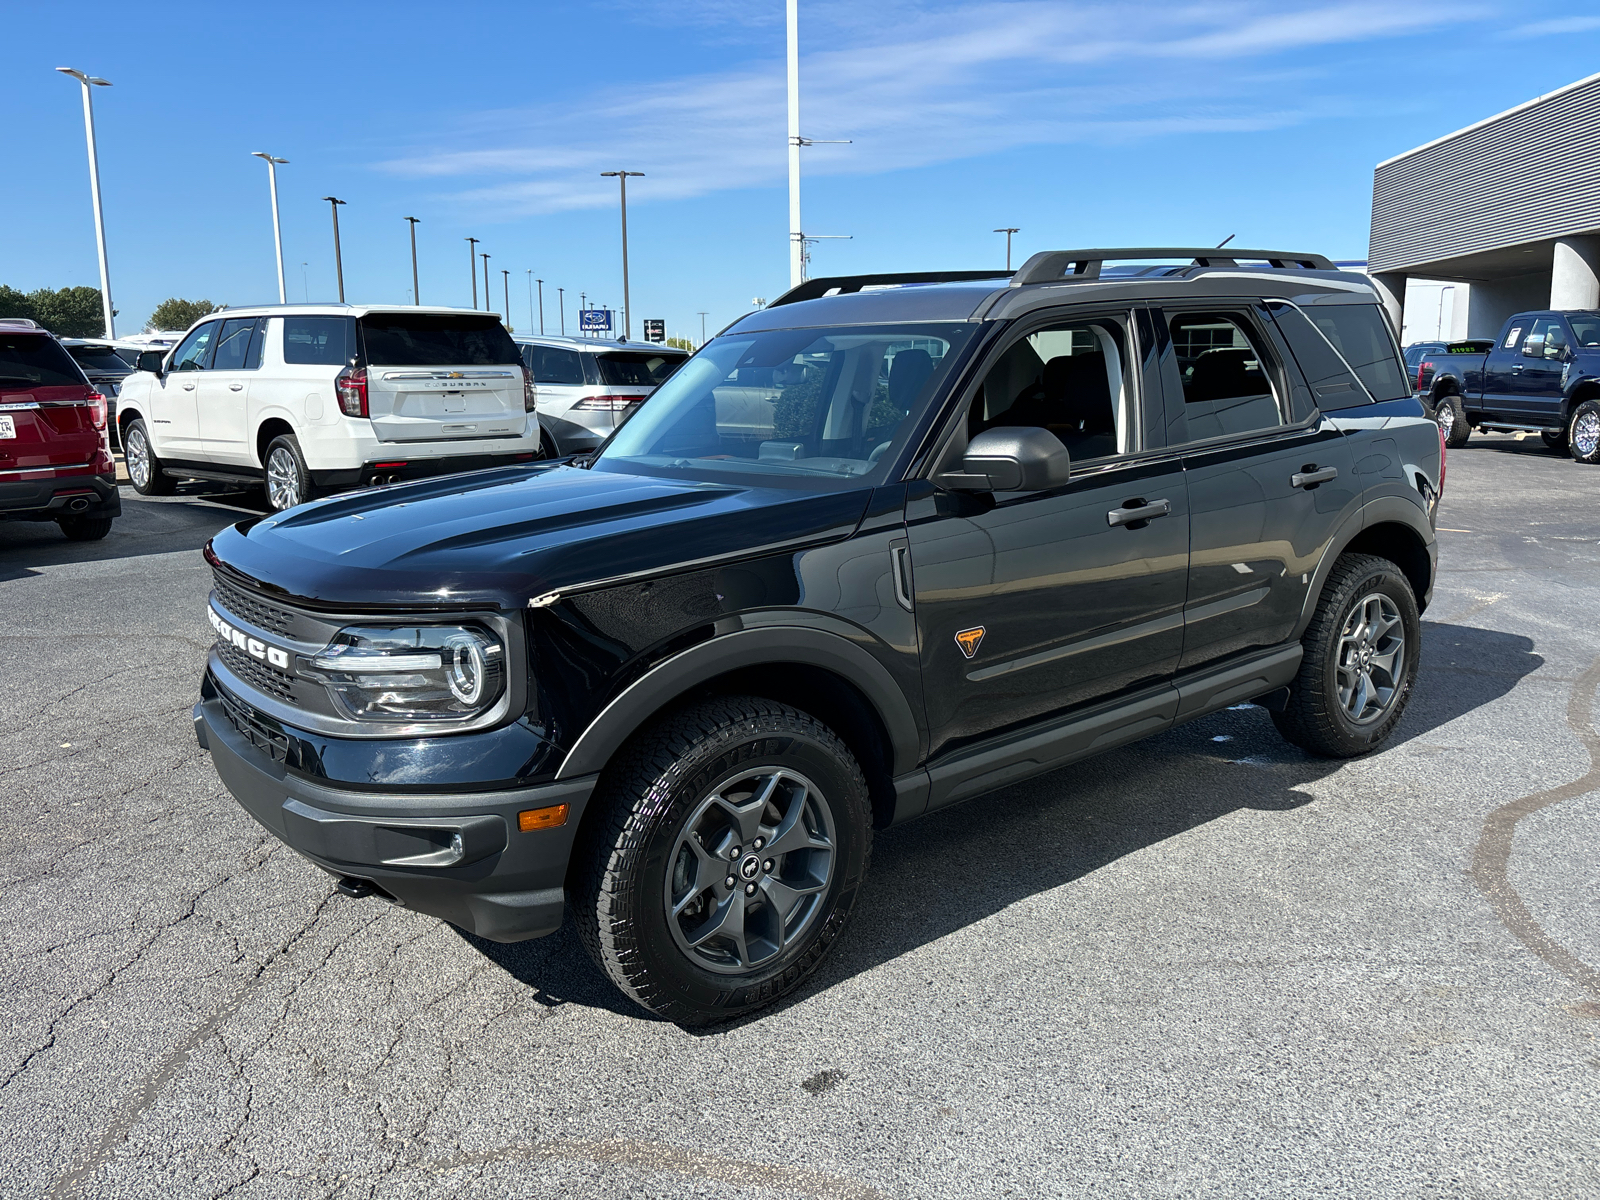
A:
x: 254, y: 647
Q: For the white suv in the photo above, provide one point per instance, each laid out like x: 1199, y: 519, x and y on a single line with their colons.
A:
x: 308, y: 398
x: 586, y: 387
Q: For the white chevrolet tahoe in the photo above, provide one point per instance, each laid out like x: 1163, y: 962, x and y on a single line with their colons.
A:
x: 311, y: 398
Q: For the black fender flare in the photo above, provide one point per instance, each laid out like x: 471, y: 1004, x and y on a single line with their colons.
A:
x: 769, y: 644
x: 1383, y: 510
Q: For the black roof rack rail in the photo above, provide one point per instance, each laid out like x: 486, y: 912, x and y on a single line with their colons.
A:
x: 1062, y: 266
x: 838, y: 285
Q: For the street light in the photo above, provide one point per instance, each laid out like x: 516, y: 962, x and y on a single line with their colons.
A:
x: 561, y: 307
x: 1008, y: 232
x: 627, y: 309
x: 472, y: 269
x: 305, y: 283
x: 702, y: 328
x: 507, y: 282
x: 540, y: 282
x: 416, y: 296
x: 338, y: 256
x: 486, y: 301
x: 89, y: 81
x: 277, y: 229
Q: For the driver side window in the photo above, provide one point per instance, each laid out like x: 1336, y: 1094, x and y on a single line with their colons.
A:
x: 195, y: 352
x: 1073, y: 379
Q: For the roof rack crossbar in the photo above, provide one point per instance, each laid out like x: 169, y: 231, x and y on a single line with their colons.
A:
x: 839, y: 285
x: 1062, y: 266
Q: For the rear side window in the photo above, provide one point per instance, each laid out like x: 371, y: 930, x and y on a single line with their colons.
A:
x: 436, y: 340
x: 318, y: 341
x: 1360, y: 334
x: 1227, y: 388
x: 35, y: 360
x: 638, y: 370
x: 97, y: 358
x: 233, y: 345
x: 551, y: 364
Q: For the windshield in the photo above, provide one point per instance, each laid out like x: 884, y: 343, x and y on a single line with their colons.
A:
x: 436, y: 340
x: 35, y: 359
x: 98, y: 358
x: 638, y: 370
x: 819, y: 403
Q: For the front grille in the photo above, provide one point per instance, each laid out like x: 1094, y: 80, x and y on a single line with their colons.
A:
x: 259, y: 730
x: 247, y: 607
x: 253, y: 671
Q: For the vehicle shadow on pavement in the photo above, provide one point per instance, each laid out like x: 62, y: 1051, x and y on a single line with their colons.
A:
x: 185, y: 521
x: 954, y: 868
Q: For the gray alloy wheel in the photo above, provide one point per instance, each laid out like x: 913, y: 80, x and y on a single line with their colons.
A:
x: 750, y: 868
x: 283, y: 478
x: 1583, y: 435
x: 144, y: 468
x: 1371, y: 666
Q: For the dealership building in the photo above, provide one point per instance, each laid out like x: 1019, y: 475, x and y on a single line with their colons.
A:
x: 1497, y: 218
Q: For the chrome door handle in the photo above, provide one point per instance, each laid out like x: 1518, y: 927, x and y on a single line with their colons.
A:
x: 188, y: 387
x: 236, y: 387
x: 1138, y: 511
x: 1311, y: 477
x: 1517, y: 370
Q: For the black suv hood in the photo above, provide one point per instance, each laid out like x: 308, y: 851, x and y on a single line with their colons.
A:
x: 506, y: 536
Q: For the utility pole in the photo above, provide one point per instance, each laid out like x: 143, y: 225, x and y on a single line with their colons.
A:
x: 472, y: 269
x: 561, y: 307
x: 338, y: 257
x: 702, y: 328
x: 89, y: 81
x: 1008, y: 232
x: 507, y: 282
x: 416, y: 296
x: 277, y: 229
x: 622, y: 178
x: 540, y: 282
x: 486, y: 300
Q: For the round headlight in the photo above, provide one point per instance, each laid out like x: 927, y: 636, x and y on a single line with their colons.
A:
x: 464, y: 669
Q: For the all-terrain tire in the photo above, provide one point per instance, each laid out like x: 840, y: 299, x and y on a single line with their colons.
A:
x: 1317, y: 717
x: 145, y: 471
x: 1451, y: 414
x: 644, y: 817
x: 84, y: 529
x: 1583, y: 433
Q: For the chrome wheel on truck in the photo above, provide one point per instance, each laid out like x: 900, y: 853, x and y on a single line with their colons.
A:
x: 1583, y: 433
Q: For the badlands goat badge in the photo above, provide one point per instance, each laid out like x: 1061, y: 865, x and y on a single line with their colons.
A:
x: 968, y: 639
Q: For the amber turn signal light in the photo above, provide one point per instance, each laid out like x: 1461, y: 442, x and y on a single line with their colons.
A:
x: 542, y: 818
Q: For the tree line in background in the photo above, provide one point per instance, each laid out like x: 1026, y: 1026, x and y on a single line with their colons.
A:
x: 76, y: 311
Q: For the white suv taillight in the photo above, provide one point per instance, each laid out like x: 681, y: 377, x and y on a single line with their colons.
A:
x: 529, y: 392
x: 352, y: 388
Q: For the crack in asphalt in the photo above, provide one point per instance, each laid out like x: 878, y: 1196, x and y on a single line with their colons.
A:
x: 1491, y: 859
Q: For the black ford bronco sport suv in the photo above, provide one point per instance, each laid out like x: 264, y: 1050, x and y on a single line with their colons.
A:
x: 891, y: 543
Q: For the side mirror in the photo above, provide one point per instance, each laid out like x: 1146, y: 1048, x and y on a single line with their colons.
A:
x: 150, y: 360
x: 1533, y: 348
x: 1011, y: 459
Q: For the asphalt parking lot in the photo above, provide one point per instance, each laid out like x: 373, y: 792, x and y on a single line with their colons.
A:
x: 1202, y: 966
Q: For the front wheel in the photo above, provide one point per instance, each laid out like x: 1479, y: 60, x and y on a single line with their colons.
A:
x: 726, y: 859
x: 1360, y: 662
x: 1583, y: 432
x: 1452, y: 417
x: 288, y: 478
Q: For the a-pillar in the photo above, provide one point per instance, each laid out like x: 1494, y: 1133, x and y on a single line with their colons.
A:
x: 1575, y: 273
x: 1392, y: 291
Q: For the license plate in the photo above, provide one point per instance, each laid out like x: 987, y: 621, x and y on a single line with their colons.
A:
x: 8, y: 426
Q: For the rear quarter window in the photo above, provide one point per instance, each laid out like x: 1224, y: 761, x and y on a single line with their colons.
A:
x: 552, y: 364
x: 638, y: 370
x: 35, y: 360
x: 1360, y: 335
x: 436, y: 340
x: 318, y: 341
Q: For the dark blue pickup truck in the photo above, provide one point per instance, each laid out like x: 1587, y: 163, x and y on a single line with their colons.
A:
x: 1542, y: 374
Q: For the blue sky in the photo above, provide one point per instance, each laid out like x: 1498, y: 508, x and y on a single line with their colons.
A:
x: 1082, y: 123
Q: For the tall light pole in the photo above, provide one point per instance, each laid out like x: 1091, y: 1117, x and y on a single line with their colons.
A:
x: 702, y: 328
x: 796, y: 244
x: 277, y: 228
x: 530, y: 300
x: 540, y: 282
x: 486, y: 300
x: 89, y: 81
x: 416, y: 296
x: 472, y: 269
x: 507, y: 282
x: 622, y: 178
x: 561, y: 307
x: 583, y: 307
x: 1008, y: 232
x: 305, y: 282
x: 338, y: 255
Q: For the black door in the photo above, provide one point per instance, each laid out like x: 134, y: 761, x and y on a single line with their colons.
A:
x: 1269, y: 479
x: 1028, y: 604
x: 1539, y: 371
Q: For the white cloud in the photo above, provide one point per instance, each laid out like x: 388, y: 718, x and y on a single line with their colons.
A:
x: 913, y: 85
x: 1556, y: 25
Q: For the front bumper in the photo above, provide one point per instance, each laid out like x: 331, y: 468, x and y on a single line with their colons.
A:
x: 458, y: 856
x: 48, y: 496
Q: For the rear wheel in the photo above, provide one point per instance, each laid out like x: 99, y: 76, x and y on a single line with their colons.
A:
x: 726, y: 860
x: 84, y: 529
x: 1361, y: 654
x: 1583, y: 432
x: 1556, y: 440
x: 288, y: 479
x: 144, y: 468
x: 1452, y: 417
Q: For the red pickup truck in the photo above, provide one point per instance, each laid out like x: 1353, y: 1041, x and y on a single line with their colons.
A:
x: 55, y: 460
